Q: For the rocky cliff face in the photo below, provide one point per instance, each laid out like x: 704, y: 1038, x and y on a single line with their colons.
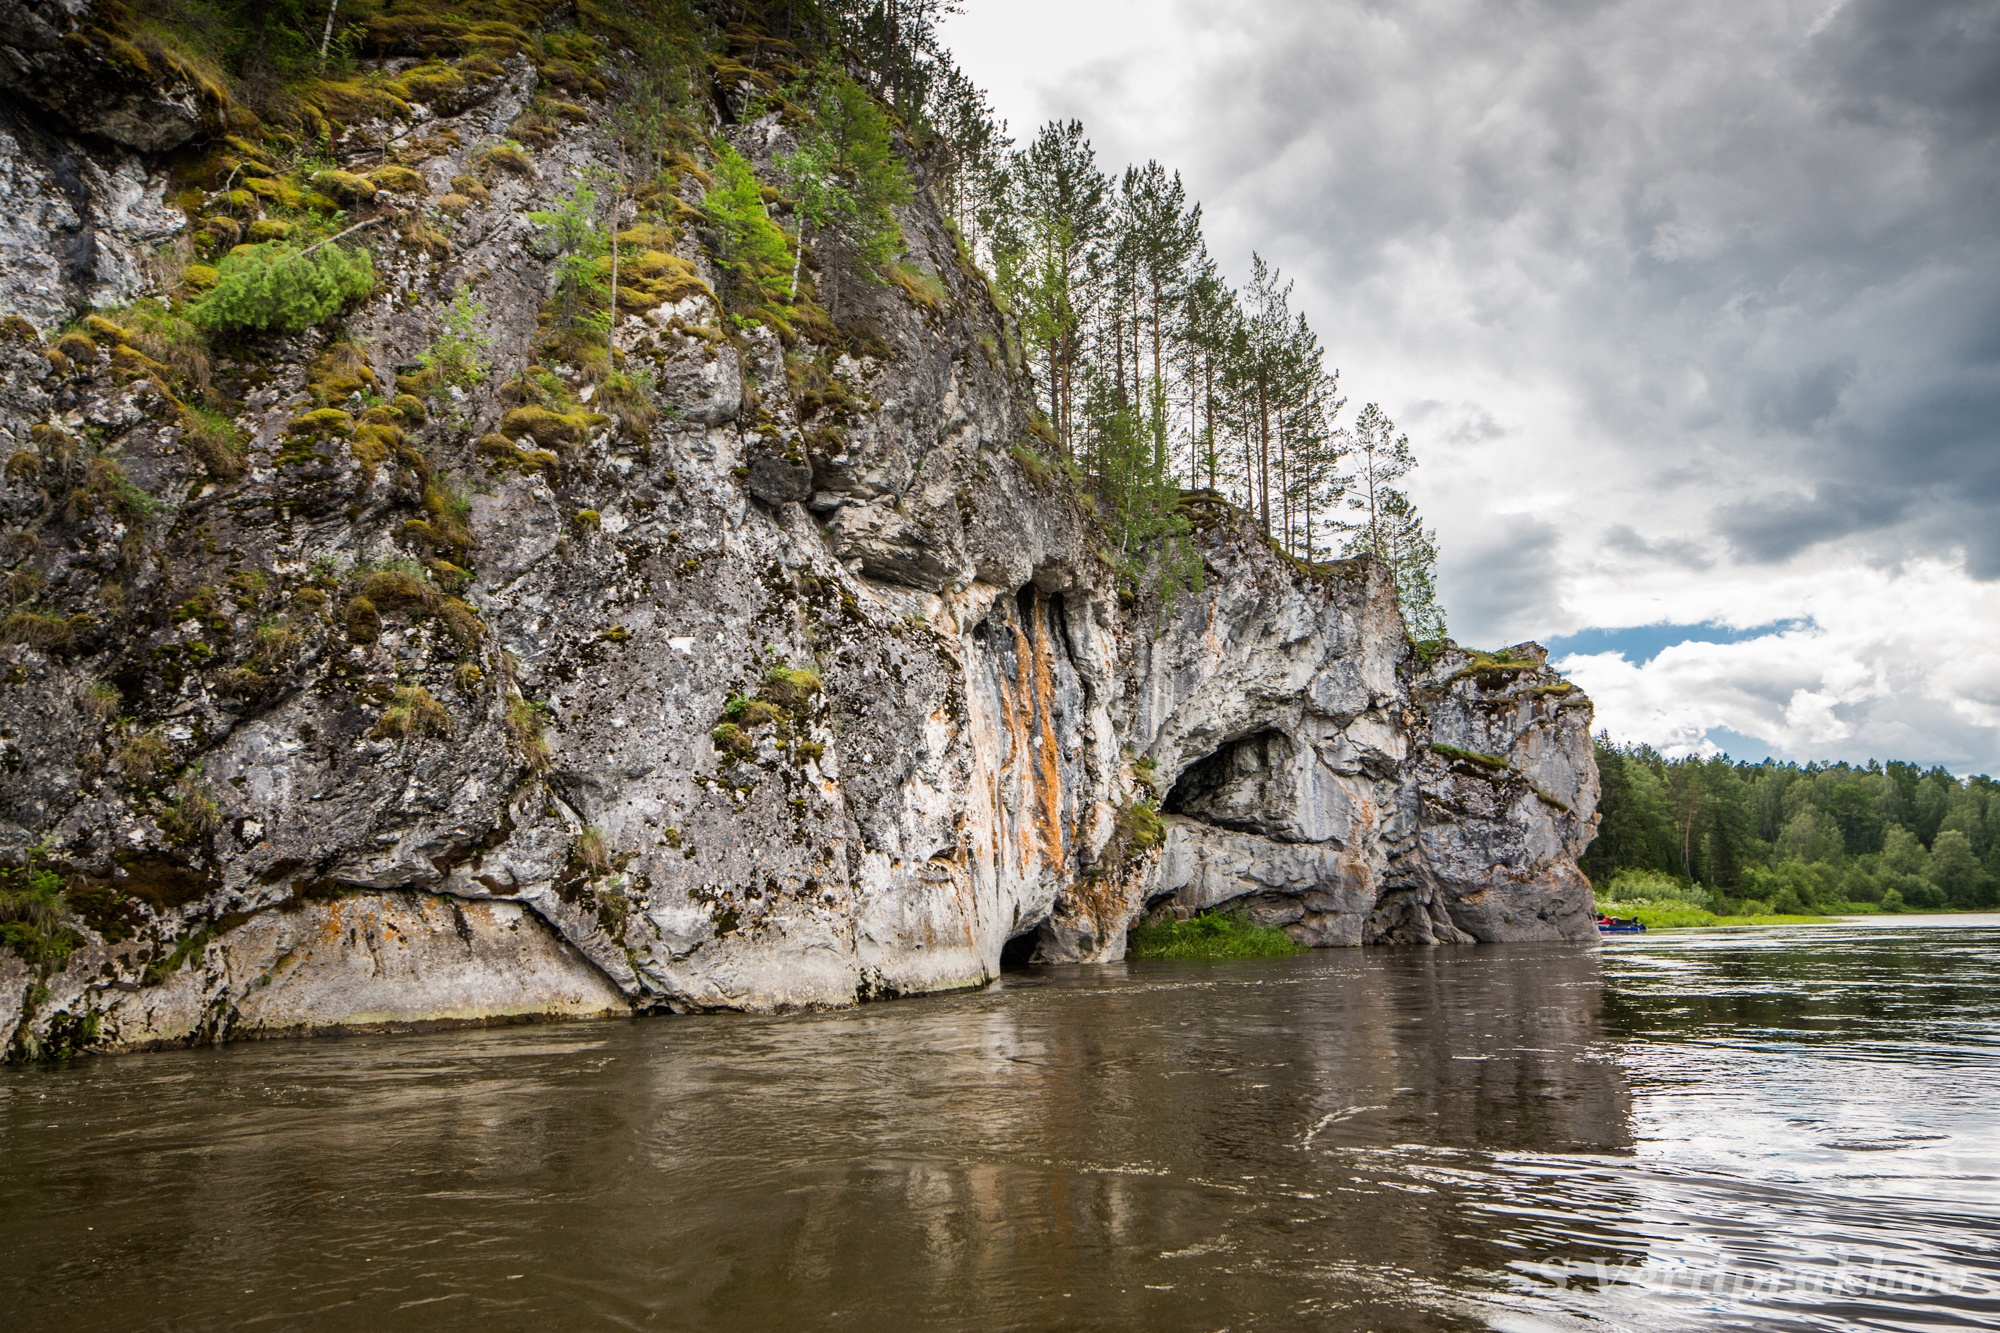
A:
x: 782, y: 680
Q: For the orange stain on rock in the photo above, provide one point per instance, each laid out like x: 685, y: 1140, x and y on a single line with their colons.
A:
x: 1029, y: 708
x: 1051, y: 764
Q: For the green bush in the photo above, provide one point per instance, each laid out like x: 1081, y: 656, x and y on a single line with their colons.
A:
x: 1661, y: 917
x: 1925, y: 897
x: 456, y: 357
x: 1677, y: 916
x: 1805, y: 885
x: 1225, y: 934
x: 1141, y: 827
x: 1630, y: 888
x: 277, y: 288
x: 575, y: 240
x: 1642, y: 885
x: 31, y: 918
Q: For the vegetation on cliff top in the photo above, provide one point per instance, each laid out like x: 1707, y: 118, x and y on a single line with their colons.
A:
x: 1156, y: 376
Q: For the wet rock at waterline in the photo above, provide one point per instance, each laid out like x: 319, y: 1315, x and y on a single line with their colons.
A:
x: 788, y: 680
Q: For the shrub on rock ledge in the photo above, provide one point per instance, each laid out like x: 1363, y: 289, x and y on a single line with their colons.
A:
x: 273, y: 288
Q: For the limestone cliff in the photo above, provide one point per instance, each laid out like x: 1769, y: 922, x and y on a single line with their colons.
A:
x: 787, y: 678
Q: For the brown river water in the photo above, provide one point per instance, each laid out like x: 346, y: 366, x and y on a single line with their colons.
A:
x: 1760, y: 1129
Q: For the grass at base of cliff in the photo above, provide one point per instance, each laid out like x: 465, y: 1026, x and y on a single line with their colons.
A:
x: 1212, y: 935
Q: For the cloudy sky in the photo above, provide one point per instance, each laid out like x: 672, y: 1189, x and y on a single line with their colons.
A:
x: 1691, y: 308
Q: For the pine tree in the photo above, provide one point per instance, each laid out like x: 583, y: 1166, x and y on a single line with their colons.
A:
x: 750, y: 246
x: 1212, y: 328
x: 1261, y: 376
x: 971, y: 151
x: 1391, y: 530
x: 898, y: 42
x: 1048, y: 245
x: 572, y: 234
x: 1410, y: 550
x: 1318, y: 482
x: 846, y: 174
x: 1159, y: 237
x: 1385, y: 459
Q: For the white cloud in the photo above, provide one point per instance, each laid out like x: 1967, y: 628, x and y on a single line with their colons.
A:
x: 1900, y: 664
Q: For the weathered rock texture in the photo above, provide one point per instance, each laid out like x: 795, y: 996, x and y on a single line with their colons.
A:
x: 943, y: 710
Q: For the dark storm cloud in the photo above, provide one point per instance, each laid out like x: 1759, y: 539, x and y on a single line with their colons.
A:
x: 1762, y: 233
x: 1623, y: 539
x: 1502, y: 577
x: 1936, y: 61
x: 1779, y: 528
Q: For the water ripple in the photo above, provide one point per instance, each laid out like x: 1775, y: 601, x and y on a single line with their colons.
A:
x: 1776, y: 1129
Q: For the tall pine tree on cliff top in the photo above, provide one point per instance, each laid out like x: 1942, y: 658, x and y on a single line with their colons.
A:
x: 1391, y: 530
x: 1048, y: 246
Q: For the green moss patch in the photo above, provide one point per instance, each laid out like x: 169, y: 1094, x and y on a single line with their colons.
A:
x: 1492, y: 763
x: 550, y: 429
x: 1493, y: 671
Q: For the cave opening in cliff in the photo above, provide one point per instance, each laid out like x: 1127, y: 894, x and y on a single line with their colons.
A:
x: 1016, y: 954
x: 1195, y: 792
x: 1030, y: 603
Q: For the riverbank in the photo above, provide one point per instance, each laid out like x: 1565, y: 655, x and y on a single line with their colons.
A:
x: 1683, y: 917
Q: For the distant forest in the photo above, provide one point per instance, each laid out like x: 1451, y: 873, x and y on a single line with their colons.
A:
x: 1794, y: 838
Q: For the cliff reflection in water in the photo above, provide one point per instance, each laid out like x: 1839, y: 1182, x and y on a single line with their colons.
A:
x: 1185, y: 1143
x: 1173, y: 1144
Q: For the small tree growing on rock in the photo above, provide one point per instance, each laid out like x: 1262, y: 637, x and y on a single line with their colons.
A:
x: 570, y: 230
x: 750, y: 246
x: 846, y: 174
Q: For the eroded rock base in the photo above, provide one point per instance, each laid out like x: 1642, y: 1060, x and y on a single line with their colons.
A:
x: 362, y: 963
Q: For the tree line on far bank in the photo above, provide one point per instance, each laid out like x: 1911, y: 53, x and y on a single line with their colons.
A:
x: 1771, y: 837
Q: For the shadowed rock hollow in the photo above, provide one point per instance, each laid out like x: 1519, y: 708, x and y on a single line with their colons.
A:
x: 782, y: 681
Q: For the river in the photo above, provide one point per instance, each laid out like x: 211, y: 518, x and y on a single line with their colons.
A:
x: 1760, y: 1129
